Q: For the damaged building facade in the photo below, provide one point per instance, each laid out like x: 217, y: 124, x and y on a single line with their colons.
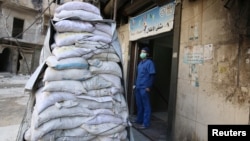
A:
x: 23, y: 26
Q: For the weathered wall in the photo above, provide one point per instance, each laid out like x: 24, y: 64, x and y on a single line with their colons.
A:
x: 216, y: 91
x: 123, y: 36
x: 32, y: 35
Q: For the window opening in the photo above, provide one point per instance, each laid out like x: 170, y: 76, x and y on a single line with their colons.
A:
x: 17, y: 28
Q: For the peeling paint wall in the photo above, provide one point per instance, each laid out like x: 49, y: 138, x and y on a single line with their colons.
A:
x: 123, y: 36
x: 214, y: 70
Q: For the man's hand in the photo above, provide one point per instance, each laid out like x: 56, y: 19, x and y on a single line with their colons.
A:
x: 147, y: 89
x: 134, y: 86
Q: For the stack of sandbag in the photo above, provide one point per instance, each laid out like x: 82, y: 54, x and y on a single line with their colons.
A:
x: 82, y: 97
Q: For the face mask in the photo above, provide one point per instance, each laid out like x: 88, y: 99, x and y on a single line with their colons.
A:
x: 143, y: 55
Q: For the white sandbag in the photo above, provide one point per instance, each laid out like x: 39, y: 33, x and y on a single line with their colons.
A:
x: 105, y: 138
x: 70, y: 86
x: 97, y: 99
x: 95, y: 62
x: 101, y: 33
x: 66, y: 104
x: 108, y: 67
x: 106, y: 57
x: 89, y: 46
x: 75, y: 134
x: 95, y: 83
x: 46, y: 99
x: 121, y: 135
x: 77, y: 138
x: 93, y: 105
x: 104, y: 28
x: 53, y: 45
x: 115, y: 80
x: 27, y: 135
x: 73, y: 26
x: 88, y: 55
x: 85, y: 43
x: 102, y: 111
x: 120, y: 107
x: 102, y: 118
x: 76, y: 15
x: 107, y: 50
x: 103, y: 129
x: 66, y: 74
x: 98, y: 38
x: 76, y: 5
x: 53, y: 112
x: 69, y: 38
x: 67, y: 63
x: 103, y: 92
x: 55, y: 124
x: 69, y: 52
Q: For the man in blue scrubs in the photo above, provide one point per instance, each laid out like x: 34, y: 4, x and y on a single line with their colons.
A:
x: 144, y: 81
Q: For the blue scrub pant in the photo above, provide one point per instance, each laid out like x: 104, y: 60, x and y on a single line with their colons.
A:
x: 143, y: 106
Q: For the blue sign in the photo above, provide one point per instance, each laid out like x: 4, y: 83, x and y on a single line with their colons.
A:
x: 152, y: 22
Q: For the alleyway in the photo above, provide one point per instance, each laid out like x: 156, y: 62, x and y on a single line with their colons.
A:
x: 12, y: 104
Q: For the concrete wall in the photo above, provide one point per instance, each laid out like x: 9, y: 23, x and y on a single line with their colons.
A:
x: 216, y: 91
x: 123, y: 36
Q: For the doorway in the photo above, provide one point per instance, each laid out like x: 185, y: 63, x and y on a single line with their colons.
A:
x: 5, y: 65
x: 161, y: 54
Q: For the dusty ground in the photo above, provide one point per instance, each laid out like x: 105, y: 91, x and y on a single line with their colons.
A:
x: 13, y: 102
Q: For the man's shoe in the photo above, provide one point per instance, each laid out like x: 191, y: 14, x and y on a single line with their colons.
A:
x: 142, y: 127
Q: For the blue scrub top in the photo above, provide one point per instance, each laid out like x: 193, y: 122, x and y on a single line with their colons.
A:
x: 145, y: 74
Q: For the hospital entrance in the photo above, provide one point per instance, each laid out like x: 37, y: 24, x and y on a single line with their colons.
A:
x: 161, y: 54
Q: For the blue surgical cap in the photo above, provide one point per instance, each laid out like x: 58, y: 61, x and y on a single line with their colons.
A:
x: 146, y: 49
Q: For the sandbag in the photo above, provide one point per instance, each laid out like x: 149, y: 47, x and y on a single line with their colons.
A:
x: 69, y: 52
x: 107, y: 67
x: 93, y: 105
x: 66, y: 74
x: 103, y: 129
x: 69, y: 38
x: 55, y: 124
x: 106, y: 56
x: 77, y: 15
x: 91, y: 44
x: 46, y: 99
x: 70, y: 86
x: 73, y: 26
x: 95, y: 83
x: 75, y: 134
x: 76, y: 5
x: 53, y: 112
x: 103, y: 92
x: 106, y: 28
x: 67, y: 63
x: 115, y: 80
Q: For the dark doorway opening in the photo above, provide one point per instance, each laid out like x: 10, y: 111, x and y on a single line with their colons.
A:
x: 5, y: 60
x: 161, y: 54
x: 17, y: 28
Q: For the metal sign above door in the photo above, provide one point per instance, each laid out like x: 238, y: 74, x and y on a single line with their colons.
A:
x: 152, y: 22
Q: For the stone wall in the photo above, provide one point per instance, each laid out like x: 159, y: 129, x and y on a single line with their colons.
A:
x: 213, y: 79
